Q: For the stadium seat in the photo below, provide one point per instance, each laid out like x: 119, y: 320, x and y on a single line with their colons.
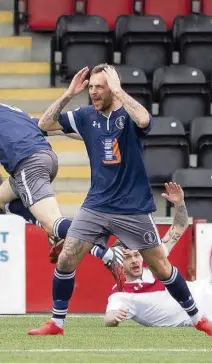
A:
x: 165, y: 150
x: 83, y: 40
x: 168, y: 10
x: 207, y: 7
x: 182, y: 92
x: 193, y: 36
x: 197, y: 186
x: 134, y: 82
x: 109, y: 13
x: 143, y: 42
x: 201, y: 140
x: 40, y: 15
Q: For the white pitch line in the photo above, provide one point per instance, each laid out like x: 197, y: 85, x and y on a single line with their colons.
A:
x: 70, y: 315
x: 140, y: 350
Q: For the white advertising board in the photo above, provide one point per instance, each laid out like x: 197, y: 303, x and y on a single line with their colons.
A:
x: 203, y: 250
x: 12, y: 265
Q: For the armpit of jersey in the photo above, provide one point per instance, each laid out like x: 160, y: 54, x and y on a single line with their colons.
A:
x: 67, y: 121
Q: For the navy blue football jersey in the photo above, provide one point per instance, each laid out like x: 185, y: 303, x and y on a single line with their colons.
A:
x: 119, y: 182
x: 20, y: 137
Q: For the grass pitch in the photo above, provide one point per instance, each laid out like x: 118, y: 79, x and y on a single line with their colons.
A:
x: 86, y: 340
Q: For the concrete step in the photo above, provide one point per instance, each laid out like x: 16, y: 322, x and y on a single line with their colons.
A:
x: 15, y: 49
x: 24, y: 74
x: 70, y: 198
x: 38, y: 100
x: 67, y: 185
x: 6, y: 23
x: 6, y: 4
x: 72, y: 158
x: 65, y: 172
x: 64, y: 144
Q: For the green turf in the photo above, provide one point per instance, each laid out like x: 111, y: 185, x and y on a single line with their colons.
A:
x: 89, y: 334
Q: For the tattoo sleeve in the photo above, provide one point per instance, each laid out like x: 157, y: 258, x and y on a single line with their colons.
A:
x: 73, y: 251
x: 181, y: 216
x: 50, y: 117
x: 180, y: 224
x: 136, y: 111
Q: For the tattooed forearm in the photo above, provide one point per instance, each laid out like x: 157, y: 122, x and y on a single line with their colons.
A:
x: 181, y: 216
x: 136, y: 111
x: 73, y: 251
x: 50, y: 117
x: 172, y: 237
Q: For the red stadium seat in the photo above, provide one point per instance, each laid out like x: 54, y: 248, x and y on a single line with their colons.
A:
x: 40, y: 15
x: 110, y: 13
x: 167, y: 9
x: 207, y: 7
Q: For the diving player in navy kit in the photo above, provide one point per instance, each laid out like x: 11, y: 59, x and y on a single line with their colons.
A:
x: 120, y: 200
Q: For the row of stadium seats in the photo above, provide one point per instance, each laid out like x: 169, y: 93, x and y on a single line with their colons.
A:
x: 197, y: 186
x: 180, y: 91
x: 40, y: 15
x: 143, y: 42
x: 168, y: 142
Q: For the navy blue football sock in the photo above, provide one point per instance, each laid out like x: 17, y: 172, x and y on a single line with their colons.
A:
x: 177, y: 287
x: 63, y: 286
x: 98, y: 252
x: 61, y: 227
x: 16, y: 207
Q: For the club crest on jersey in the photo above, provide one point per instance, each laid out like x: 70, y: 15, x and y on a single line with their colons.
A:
x: 120, y: 122
x: 95, y: 124
x: 150, y: 237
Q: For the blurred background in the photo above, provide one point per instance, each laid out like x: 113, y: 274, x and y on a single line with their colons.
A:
x: 163, y: 50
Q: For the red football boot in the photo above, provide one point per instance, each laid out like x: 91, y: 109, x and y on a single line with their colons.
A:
x: 204, y: 325
x: 49, y: 328
x: 56, y: 245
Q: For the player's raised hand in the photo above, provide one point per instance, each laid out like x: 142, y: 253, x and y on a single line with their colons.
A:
x: 121, y: 314
x: 174, y: 193
x: 112, y: 78
x: 78, y: 83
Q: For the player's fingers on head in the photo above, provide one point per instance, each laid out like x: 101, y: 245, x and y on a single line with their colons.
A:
x: 84, y: 74
x: 167, y: 187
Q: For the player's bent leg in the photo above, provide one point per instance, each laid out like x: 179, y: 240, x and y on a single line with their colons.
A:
x: 72, y: 253
x: 6, y: 193
x: 176, y: 285
x: 47, y: 212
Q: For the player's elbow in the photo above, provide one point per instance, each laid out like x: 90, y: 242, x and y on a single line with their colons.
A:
x: 143, y: 118
x: 42, y: 125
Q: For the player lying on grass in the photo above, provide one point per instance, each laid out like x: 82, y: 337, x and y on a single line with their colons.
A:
x: 145, y: 299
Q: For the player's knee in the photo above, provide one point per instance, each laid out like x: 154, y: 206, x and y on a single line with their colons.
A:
x: 162, y: 268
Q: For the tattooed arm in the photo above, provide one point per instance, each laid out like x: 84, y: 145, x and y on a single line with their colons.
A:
x: 49, y: 120
x: 135, y: 110
x: 174, y: 194
x: 180, y: 224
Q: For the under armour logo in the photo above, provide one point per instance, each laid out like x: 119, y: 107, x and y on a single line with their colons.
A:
x: 96, y: 124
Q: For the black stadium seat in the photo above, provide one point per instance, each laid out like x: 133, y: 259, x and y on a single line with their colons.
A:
x: 201, y: 141
x: 83, y: 40
x: 165, y: 149
x: 143, y: 42
x: 197, y: 186
x: 134, y: 82
x: 193, y: 36
x: 181, y: 92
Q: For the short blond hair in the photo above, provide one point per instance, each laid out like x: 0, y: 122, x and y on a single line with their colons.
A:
x: 100, y: 67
